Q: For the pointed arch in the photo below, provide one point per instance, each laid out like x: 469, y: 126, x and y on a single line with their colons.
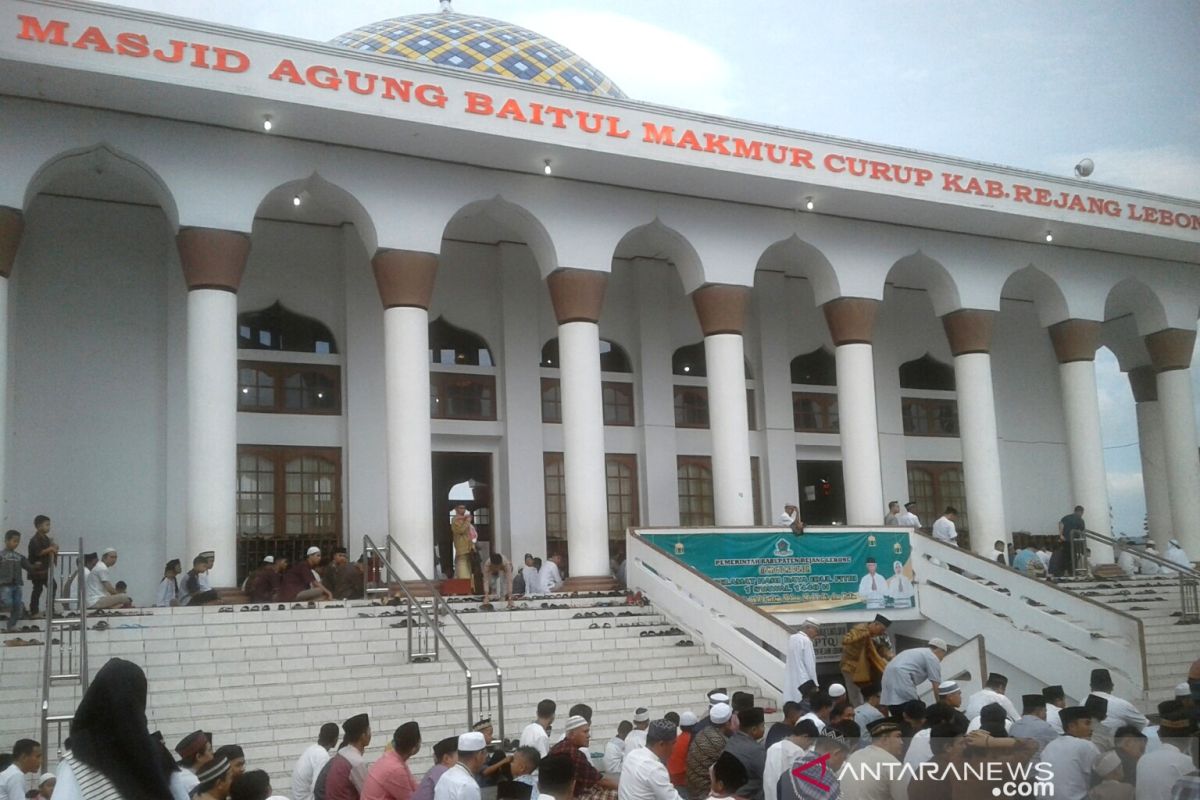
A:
x: 506, y: 220
x: 657, y: 241
x: 689, y: 361
x: 1032, y: 284
x: 277, y: 327
x: 320, y: 201
x: 613, y: 357
x: 919, y: 271
x: 797, y: 258
x: 1132, y: 297
x: 927, y: 372
x: 451, y: 345
x: 818, y: 368
x: 105, y: 172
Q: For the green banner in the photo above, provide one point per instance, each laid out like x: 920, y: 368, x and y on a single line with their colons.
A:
x: 859, y: 570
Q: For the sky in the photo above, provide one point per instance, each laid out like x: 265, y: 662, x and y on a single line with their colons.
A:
x: 1037, y: 85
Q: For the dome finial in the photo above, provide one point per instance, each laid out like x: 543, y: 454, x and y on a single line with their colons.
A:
x: 446, y: 7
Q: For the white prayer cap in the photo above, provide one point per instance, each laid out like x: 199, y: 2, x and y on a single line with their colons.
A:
x: 313, y: 551
x: 1107, y: 763
x: 836, y: 690
x: 268, y: 559
x: 641, y: 715
x: 720, y: 713
x: 472, y: 742
x: 717, y: 699
x: 108, y: 550
x: 575, y: 722
x: 47, y: 776
x: 947, y: 688
x: 940, y: 644
x: 809, y: 621
x: 1183, y: 690
x: 688, y: 718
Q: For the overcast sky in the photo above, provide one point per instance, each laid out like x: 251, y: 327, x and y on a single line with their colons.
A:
x: 1037, y: 85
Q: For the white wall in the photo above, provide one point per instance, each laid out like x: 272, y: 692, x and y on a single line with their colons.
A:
x: 89, y: 381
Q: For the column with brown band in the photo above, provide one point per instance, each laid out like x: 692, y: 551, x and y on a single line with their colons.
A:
x: 1171, y: 355
x: 405, y: 280
x: 11, y: 226
x: 213, y: 262
x: 1152, y: 449
x: 1075, y: 342
x: 969, y: 332
x: 578, y: 297
x: 722, y: 312
x: 851, y: 323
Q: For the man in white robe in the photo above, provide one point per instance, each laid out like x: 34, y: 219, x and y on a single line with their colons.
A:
x: 801, y: 660
x: 992, y: 692
x: 460, y: 781
x: 1120, y: 711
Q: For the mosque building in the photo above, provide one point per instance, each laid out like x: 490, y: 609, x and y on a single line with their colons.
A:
x: 262, y: 293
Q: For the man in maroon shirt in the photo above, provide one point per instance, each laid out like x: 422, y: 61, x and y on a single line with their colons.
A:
x: 344, y: 775
x: 302, y: 583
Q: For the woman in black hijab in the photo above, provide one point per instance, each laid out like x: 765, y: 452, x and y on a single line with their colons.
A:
x: 110, y: 751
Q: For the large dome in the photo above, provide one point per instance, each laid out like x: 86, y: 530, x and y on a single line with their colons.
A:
x: 479, y: 44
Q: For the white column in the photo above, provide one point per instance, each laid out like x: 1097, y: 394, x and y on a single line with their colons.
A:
x: 213, y: 262
x: 212, y: 430
x: 981, y: 450
x: 775, y: 380
x: 969, y: 332
x: 1085, y: 451
x: 733, y: 494
x: 851, y: 323
x: 405, y: 281
x: 410, y: 464
x: 11, y: 227
x: 861, y: 465
x: 1075, y: 342
x: 1182, y: 459
x: 583, y: 448
x: 1171, y: 354
x: 656, y: 410
x: 1152, y: 449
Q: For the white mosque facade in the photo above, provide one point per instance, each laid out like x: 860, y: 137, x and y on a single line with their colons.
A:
x: 460, y: 254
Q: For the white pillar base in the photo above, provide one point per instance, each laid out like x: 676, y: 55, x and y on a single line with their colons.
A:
x: 410, y: 462
x: 981, y: 451
x: 861, y: 466
x: 733, y: 492
x: 212, y: 431
x: 1085, y: 451
x: 1182, y: 458
x: 583, y: 449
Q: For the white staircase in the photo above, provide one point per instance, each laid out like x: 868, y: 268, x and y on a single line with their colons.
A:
x: 267, y: 680
x: 1059, y: 631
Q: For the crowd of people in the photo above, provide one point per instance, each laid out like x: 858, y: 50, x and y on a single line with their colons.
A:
x: 890, y: 746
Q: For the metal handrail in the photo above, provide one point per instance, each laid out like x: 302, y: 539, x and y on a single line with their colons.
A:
x: 1189, y: 579
x: 439, y: 608
x: 65, y: 632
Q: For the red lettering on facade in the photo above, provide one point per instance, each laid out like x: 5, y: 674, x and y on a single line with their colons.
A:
x: 479, y: 103
x: 234, y: 61
x: 134, y: 45
x: 54, y: 32
x: 614, y: 128
x: 656, y: 135
x: 286, y: 69
x: 93, y: 39
x: 511, y: 110
x: 430, y: 94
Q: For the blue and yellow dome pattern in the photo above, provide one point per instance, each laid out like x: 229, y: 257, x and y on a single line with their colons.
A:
x: 479, y: 44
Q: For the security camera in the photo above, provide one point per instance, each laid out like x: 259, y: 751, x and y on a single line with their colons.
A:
x: 1084, y: 168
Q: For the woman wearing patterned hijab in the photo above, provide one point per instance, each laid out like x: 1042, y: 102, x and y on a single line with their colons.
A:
x: 110, y: 755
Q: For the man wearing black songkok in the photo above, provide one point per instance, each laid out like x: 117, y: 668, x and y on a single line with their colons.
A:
x: 109, y: 751
x: 745, y: 745
x: 345, y: 775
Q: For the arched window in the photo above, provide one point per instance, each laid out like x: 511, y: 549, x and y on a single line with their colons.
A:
x: 451, y: 345
x: 817, y: 368
x: 689, y: 361
x: 613, y: 357
x: 278, y: 328
x: 927, y: 372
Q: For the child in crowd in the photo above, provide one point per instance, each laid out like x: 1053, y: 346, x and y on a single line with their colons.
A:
x: 12, y: 582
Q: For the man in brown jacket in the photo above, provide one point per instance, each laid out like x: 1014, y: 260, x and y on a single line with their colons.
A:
x: 862, y: 664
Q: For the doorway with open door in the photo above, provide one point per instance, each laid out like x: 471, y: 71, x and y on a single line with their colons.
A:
x: 822, y: 492
x: 462, y: 479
